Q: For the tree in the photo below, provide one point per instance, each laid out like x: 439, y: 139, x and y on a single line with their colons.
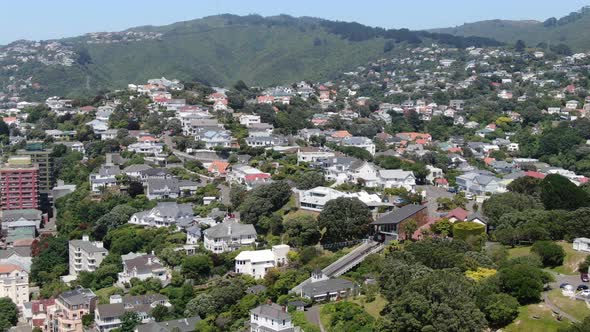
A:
x: 582, y: 326
x: 302, y: 231
x: 344, y: 219
x: 523, y: 281
x: 499, y: 204
x: 500, y: 310
x: 8, y: 314
x: 348, y: 317
x: 526, y: 185
x: 552, y: 254
x: 160, y: 313
x: 467, y: 231
x: 309, y: 180
x: 197, y: 266
x: 172, y: 257
x: 129, y: 320
x: 264, y: 200
x: 558, y: 192
x: 408, y: 229
x: 442, y: 227
x: 519, y: 46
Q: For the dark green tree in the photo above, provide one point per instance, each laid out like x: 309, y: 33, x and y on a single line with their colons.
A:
x: 558, y: 192
x: 344, y: 219
x: 551, y: 253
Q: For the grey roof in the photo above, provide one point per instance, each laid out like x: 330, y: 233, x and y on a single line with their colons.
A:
x: 18, y: 251
x: 399, y: 215
x: 183, y: 325
x: 156, y: 172
x: 155, y: 185
x: 223, y: 230
x: 256, y: 289
x: 13, y: 215
x: 272, y: 310
x: 109, y: 170
x: 136, y: 168
x: 477, y: 215
x: 141, y: 263
x: 326, y: 286
x: 110, y: 310
x: 87, y: 246
x: 173, y: 209
x: 194, y: 230
x: 77, y: 296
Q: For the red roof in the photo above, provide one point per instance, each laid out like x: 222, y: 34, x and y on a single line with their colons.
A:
x: 341, y: 134
x: 254, y: 177
x: 489, y: 160
x: 218, y: 166
x: 441, y: 181
x: 457, y: 213
x: 87, y: 108
x: 535, y: 175
x: 7, y: 268
x: 38, y: 306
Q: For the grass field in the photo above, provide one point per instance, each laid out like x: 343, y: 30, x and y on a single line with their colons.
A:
x: 373, y: 308
x: 546, y: 321
x: 571, y: 261
x: 578, y: 309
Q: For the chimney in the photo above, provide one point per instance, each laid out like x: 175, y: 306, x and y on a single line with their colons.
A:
x: 284, y: 308
x: 85, y: 238
x: 229, y: 230
x: 109, y: 159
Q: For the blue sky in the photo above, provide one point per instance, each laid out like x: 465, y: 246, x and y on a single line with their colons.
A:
x: 46, y: 19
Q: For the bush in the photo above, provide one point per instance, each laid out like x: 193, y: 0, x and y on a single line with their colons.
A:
x: 551, y: 253
x: 501, y: 310
x: 464, y: 230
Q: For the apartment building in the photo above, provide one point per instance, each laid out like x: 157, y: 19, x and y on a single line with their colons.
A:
x: 85, y: 255
x: 66, y: 314
x: 19, y: 184
x: 256, y: 263
x: 14, y: 283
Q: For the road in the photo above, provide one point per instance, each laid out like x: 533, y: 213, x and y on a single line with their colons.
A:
x: 573, y: 280
x: 313, y: 316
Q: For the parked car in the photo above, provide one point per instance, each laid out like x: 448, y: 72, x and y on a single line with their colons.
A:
x: 470, y: 196
x: 452, y: 190
x: 585, y: 292
x: 582, y: 287
x: 584, y: 277
x: 564, y: 285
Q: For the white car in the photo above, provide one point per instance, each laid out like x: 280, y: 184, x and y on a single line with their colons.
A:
x: 469, y: 196
x: 585, y: 292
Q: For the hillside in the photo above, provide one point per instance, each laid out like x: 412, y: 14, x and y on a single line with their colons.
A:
x: 218, y: 49
x: 569, y: 30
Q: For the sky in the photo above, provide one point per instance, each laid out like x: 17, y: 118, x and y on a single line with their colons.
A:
x: 49, y: 19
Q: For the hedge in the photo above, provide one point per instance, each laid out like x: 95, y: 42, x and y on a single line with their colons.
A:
x: 464, y: 230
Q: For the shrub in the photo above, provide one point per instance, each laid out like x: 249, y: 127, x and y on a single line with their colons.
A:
x: 465, y: 230
x: 551, y: 253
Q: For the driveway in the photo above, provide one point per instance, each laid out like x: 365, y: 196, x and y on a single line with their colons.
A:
x: 313, y: 316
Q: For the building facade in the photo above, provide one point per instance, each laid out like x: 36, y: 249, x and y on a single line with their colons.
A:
x: 19, y: 184
x: 14, y: 283
x: 85, y: 255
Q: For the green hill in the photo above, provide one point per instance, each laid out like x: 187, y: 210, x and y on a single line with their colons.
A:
x: 222, y: 49
x: 570, y: 30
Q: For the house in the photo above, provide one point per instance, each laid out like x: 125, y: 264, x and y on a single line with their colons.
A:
x: 135, y: 170
x: 14, y: 283
x: 35, y: 312
x: 249, y: 119
x: 316, y: 198
x: 397, y: 178
x: 177, y: 325
x: 321, y: 288
x: 69, y: 308
x: 162, y: 188
x: 582, y: 244
x: 479, y: 184
x: 106, y: 177
x: 165, y: 214
x: 256, y: 263
x: 193, y: 235
x: 215, y: 138
x: 247, y: 175
x: 359, y: 142
x: 390, y: 225
x: 434, y: 173
x: 19, y: 256
x: 228, y: 236
x: 108, y: 316
x: 457, y: 214
x: 146, y: 148
x: 270, y: 317
x: 218, y: 168
x: 142, y: 266
x: 85, y: 255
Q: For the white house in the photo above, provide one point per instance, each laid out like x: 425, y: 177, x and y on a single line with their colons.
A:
x: 312, y: 155
x: 582, y: 244
x: 228, y: 236
x: 85, y: 255
x: 106, y: 177
x: 360, y: 142
x: 249, y: 119
x: 142, y: 266
x: 315, y: 199
x: 164, y: 214
x: 146, y: 148
x: 397, y: 178
x: 270, y: 317
x: 255, y: 263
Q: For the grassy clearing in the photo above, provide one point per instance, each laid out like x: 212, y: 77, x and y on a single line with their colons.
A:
x: 570, y: 263
x: 105, y: 293
x: 546, y: 321
x: 578, y: 309
x: 372, y: 308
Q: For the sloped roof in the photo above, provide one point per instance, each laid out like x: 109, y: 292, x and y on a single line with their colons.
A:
x: 399, y: 215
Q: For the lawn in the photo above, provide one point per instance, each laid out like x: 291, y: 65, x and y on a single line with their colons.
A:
x: 105, y: 293
x: 546, y: 322
x: 373, y: 308
x: 578, y: 309
x: 571, y: 261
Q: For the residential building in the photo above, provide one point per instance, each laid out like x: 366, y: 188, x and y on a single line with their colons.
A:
x: 19, y: 184
x: 177, y: 325
x: 270, y: 317
x: 165, y: 214
x: 249, y: 119
x: 69, y: 308
x: 360, y: 142
x: 85, y: 255
x: 397, y: 178
x: 142, y: 266
x: 247, y: 175
x: 106, y: 177
x: 256, y: 263
x: 582, y: 244
x: 316, y: 198
x: 42, y: 159
x: 108, y: 316
x: 312, y: 155
x: 479, y: 184
x: 390, y: 225
x: 322, y: 288
x: 14, y: 283
x: 228, y: 236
